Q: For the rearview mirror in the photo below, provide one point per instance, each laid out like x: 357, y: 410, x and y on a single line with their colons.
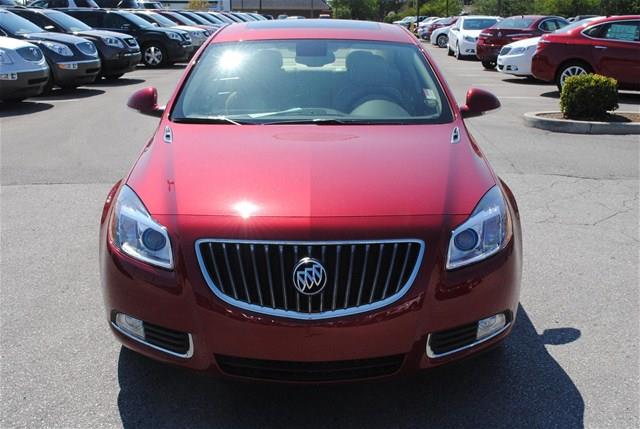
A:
x: 478, y: 101
x: 145, y: 101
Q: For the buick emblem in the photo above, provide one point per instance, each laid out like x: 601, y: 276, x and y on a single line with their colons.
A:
x: 309, y: 276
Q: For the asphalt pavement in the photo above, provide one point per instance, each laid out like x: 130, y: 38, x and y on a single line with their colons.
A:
x: 571, y: 362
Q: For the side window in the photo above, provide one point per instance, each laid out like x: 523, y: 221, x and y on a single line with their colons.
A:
x: 91, y: 19
x: 82, y: 3
x: 37, y: 19
x: 41, y: 3
x: 58, y: 3
x: 112, y: 20
x: 548, y: 25
x: 627, y: 31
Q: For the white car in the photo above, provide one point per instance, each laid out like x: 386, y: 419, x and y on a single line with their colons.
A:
x: 440, y: 36
x: 515, y: 58
x: 23, y: 70
x: 463, y: 35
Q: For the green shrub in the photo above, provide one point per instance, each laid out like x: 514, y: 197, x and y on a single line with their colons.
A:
x: 588, y: 96
x: 198, y: 5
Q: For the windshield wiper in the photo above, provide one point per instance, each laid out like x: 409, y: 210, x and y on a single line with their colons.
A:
x: 208, y: 120
x: 316, y: 121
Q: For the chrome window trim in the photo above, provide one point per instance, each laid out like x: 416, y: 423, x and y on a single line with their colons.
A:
x: 605, y: 23
x: 314, y: 316
x: 432, y: 355
x: 187, y: 355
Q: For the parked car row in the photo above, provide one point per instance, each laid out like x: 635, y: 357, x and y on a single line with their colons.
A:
x: 75, y: 42
x: 548, y: 48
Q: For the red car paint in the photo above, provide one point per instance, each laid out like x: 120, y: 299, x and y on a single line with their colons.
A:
x: 492, y: 39
x: 311, y: 183
x: 619, y: 59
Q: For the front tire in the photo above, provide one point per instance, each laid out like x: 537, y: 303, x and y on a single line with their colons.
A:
x: 154, y: 55
x: 457, y: 52
x: 442, y: 41
x: 449, y: 51
x: 570, y: 69
x: 489, y: 65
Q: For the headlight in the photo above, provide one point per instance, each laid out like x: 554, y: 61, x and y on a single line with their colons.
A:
x: 135, y: 233
x: 487, y: 230
x: 469, y: 39
x: 4, y: 57
x: 59, y: 48
x: 518, y: 51
x: 113, y: 42
x: 174, y: 36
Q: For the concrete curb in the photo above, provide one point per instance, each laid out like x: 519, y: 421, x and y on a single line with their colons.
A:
x: 533, y: 119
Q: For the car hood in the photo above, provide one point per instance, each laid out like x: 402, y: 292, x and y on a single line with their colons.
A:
x: 525, y: 43
x: 310, y: 171
x: 102, y: 33
x: 55, y: 37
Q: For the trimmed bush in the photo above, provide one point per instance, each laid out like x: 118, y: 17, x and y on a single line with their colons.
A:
x: 588, y: 96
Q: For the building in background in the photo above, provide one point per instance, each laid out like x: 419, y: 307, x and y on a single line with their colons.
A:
x: 306, y: 8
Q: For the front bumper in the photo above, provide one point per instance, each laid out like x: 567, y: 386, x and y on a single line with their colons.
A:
x: 467, y: 48
x: 179, y: 51
x: 543, y: 68
x: 75, y: 73
x: 438, y: 300
x: 120, y: 61
x: 518, y: 65
x: 26, y: 84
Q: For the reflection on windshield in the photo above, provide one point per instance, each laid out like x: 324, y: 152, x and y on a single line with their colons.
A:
x: 312, y: 81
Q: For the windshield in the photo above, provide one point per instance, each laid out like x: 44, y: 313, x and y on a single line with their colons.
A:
x: 515, y: 23
x: 67, y: 22
x: 181, y: 18
x: 568, y: 28
x: 478, y: 24
x: 14, y: 24
x: 162, y: 20
x: 312, y: 81
x: 136, y: 20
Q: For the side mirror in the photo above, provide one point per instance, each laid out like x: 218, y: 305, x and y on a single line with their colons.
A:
x: 145, y: 101
x: 478, y: 101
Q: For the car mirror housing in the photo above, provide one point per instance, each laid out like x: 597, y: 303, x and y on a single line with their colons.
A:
x: 145, y: 101
x: 478, y: 101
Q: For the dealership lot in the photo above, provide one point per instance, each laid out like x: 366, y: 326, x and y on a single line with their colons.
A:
x: 572, y: 360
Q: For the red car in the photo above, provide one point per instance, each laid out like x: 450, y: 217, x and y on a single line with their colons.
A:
x: 606, y: 46
x: 311, y: 208
x: 511, y: 29
x: 438, y: 23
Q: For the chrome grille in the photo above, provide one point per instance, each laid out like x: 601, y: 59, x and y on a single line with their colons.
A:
x: 505, y: 50
x: 360, y: 275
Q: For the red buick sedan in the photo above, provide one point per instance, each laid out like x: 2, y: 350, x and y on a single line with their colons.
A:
x: 514, y: 28
x: 311, y: 208
x: 606, y: 46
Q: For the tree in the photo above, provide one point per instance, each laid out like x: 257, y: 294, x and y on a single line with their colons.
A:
x: 356, y: 9
x: 198, y: 5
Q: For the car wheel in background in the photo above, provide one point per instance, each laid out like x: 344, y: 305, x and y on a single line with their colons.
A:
x: 570, y: 69
x: 153, y: 55
x: 457, y: 52
x: 442, y: 41
x: 489, y: 65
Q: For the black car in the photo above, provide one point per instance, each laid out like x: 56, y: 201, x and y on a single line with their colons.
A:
x: 73, y: 61
x: 199, y: 21
x: 129, y: 4
x: 56, y: 4
x: 160, y: 46
x: 118, y: 52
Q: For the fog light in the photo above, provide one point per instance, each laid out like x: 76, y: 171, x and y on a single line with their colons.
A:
x: 130, y: 325
x: 8, y: 76
x: 490, y: 325
x: 68, y: 66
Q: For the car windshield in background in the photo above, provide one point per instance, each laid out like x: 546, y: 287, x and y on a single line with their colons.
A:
x: 15, y: 24
x: 136, y: 20
x: 162, y: 20
x: 478, y: 24
x: 515, y: 23
x: 312, y: 81
x: 67, y: 22
x: 573, y: 25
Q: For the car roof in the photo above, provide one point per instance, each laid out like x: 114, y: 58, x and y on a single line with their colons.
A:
x: 315, y: 29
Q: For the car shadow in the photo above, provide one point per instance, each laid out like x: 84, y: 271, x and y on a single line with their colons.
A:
x: 10, y: 109
x: 526, y: 81
x: 517, y: 385
x: 69, y: 94
x: 123, y: 81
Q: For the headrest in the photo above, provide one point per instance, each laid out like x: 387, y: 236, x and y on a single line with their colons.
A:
x: 365, y: 68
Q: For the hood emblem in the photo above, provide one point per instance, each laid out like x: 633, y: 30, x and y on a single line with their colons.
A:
x: 309, y: 276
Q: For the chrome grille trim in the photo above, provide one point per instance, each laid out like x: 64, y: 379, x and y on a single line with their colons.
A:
x: 271, y: 309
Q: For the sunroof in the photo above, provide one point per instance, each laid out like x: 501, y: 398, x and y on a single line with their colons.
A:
x: 313, y: 23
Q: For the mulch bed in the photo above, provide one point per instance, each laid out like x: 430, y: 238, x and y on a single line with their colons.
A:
x: 615, y: 117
